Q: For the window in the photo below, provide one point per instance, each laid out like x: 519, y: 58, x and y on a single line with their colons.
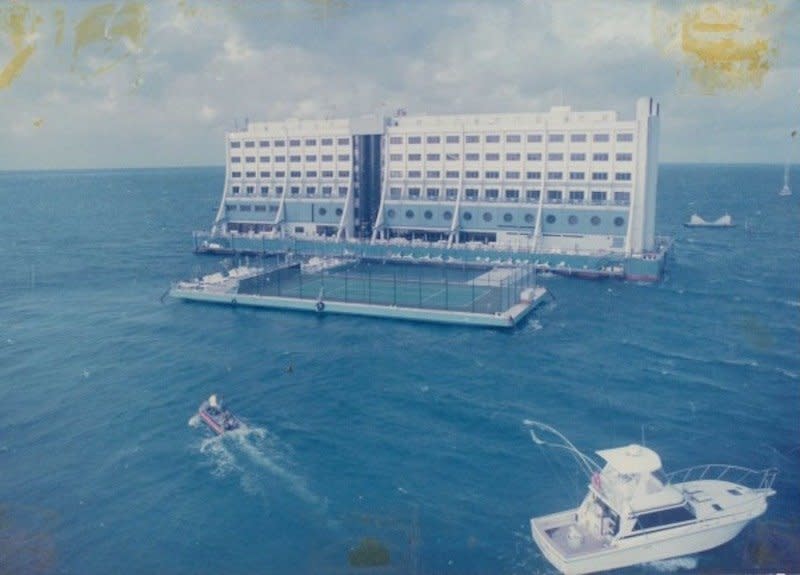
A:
x: 595, y: 220
x: 414, y: 140
x: 492, y: 175
x: 487, y: 216
x: 327, y: 173
x: 453, y: 139
x: 555, y: 175
x: 395, y: 192
x: 577, y: 137
x: 533, y: 175
x: 311, y: 158
x: 294, y: 190
x: 264, y: 159
x: 414, y: 157
x: 555, y: 157
x: 311, y: 174
x: 311, y: 142
x: 472, y: 157
x: 492, y: 139
x: 622, y: 198
x: 280, y: 143
x: 577, y: 157
x: 327, y: 157
x: 600, y: 157
x: 450, y: 175
x: 598, y: 197
x: 428, y: 214
x: 322, y: 211
x: 391, y: 213
x: 311, y: 190
x: 600, y: 138
x: 513, y: 175
x: 294, y: 174
x: 250, y: 174
x: 235, y: 190
x: 534, y: 138
x: 250, y: 159
x: 265, y: 174
x: 249, y: 144
x: 534, y: 157
x: 414, y: 193
x: 433, y: 157
x: 279, y: 190
x: 555, y: 138
x: 533, y: 195
x: 452, y: 157
x: 236, y: 159
x: 451, y: 193
x: 576, y: 175
x: 273, y: 209
x: 572, y: 220
x: 264, y: 190
x: 396, y: 140
x: 507, y: 217
x: 492, y: 157
x: 625, y: 137
x: 344, y: 173
x: 414, y: 174
x: 396, y: 157
x: 447, y: 216
x: 624, y: 157
x: 338, y: 211
x: 528, y: 218
x: 236, y: 144
x: 663, y: 517
x: 327, y: 190
x: 344, y: 157
x: 550, y: 219
x: 576, y: 196
x: 513, y: 157
x: 599, y: 176
x: 230, y: 207
x: 622, y: 176
x: 327, y: 141
x: 467, y: 216
x: 492, y: 194
x: 513, y: 138
x: 395, y: 174
x: 433, y: 139
x: 432, y: 193
x: 280, y: 158
x: 471, y: 194
x: 343, y: 141
x: 294, y: 143
x: 263, y: 144
x: 251, y: 190
x: 554, y: 196
x: 342, y: 192
x: 409, y: 214
x: 245, y: 208
x: 472, y: 139
x: 433, y: 174
x: 619, y: 221
x: 236, y: 174
x: 471, y: 175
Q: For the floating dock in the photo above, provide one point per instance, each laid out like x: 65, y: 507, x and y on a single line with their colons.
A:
x: 473, y: 295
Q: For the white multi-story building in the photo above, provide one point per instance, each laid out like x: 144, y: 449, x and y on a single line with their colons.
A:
x: 562, y: 180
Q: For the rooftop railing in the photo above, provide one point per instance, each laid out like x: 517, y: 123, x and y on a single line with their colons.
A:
x: 750, y: 478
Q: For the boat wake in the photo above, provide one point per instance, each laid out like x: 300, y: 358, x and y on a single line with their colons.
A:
x: 673, y: 565
x: 257, y: 456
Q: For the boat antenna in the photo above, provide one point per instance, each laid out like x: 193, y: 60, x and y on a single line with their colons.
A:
x: 588, y: 464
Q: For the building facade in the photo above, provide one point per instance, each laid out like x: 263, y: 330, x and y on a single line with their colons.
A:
x: 558, y: 182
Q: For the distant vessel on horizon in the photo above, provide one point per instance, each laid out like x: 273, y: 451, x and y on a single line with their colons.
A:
x: 696, y: 221
x: 786, y: 190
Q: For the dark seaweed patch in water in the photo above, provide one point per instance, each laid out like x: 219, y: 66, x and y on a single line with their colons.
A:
x: 369, y: 553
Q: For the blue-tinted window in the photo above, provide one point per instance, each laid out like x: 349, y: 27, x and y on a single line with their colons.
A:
x: 343, y: 141
x: 492, y: 175
x: 512, y: 157
x: 513, y: 138
x: 534, y: 156
x: 472, y: 139
x: 433, y: 139
x: 311, y: 142
x: 294, y: 143
x: 555, y: 138
x: 453, y: 139
x: 599, y: 176
x: 555, y: 157
x: 624, y: 157
x: 577, y: 137
x: 492, y: 139
x: 622, y: 176
x: 576, y: 175
x: 236, y: 144
x: 577, y: 156
x: 534, y: 138
x: 533, y: 175
x: 625, y: 137
x: 414, y: 140
x: 664, y: 517
x: 555, y: 175
x: 600, y: 157
x: 601, y: 138
x: 492, y: 157
x: 327, y: 141
x: 512, y: 175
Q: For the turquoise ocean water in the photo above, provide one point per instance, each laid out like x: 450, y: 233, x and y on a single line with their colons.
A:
x: 406, y: 433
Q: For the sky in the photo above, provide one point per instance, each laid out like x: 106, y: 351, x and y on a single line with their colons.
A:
x: 88, y: 84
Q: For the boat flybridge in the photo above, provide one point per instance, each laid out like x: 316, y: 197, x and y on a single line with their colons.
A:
x: 635, y: 513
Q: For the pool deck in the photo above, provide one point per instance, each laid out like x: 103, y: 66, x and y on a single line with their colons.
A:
x: 506, y: 319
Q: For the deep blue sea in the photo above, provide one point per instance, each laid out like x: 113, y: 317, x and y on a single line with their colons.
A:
x: 406, y: 433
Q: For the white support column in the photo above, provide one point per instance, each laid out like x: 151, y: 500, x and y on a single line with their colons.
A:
x: 454, y: 225
x: 221, y: 213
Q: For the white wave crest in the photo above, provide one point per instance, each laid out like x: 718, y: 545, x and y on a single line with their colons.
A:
x: 222, y: 460
x: 673, y: 565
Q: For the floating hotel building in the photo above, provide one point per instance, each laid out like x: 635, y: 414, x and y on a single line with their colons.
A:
x: 570, y: 191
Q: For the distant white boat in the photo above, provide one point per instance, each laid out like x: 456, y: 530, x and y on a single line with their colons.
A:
x: 696, y: 221
x: 635, y: 513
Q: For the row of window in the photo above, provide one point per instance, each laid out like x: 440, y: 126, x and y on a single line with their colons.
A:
x: 509, y: 175
x: 273, y: 209
x: 510, y: 195
x: 293, y: 143
x: 508, y: 217
x: 511, y: 157
x: 294, y: 174
x: 293, y: 159
x: 325, y: 191
x: 512, y: 138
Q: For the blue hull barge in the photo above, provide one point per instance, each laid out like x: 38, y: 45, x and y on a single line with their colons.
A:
x: 216, y: 416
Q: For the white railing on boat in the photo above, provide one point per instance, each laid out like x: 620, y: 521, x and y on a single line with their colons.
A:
x: 750, y: 478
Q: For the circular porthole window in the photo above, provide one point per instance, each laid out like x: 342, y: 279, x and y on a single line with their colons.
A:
x: 619, y: 221
x: 595, y: 220
x: 409, y: 214
x: 447, y: 216
x: 428, y: 214
x: 338, y: 211
x: 507, y: 217
x: 528, y: 218
x: 468, y: 216
x: 391, y: 213
x: 572, y: 220
x: 322, y: 211
x: 487, y: 217
x: 551, y: 219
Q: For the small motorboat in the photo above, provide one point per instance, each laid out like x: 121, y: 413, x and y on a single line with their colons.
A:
x: 635, y: 513
x: 214, y: 414
x: 696, y: 221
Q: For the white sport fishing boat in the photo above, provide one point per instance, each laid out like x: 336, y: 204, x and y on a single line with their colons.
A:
x: 634, y: 513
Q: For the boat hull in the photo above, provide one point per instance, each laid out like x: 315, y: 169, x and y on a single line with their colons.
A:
x: 656, y: 546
